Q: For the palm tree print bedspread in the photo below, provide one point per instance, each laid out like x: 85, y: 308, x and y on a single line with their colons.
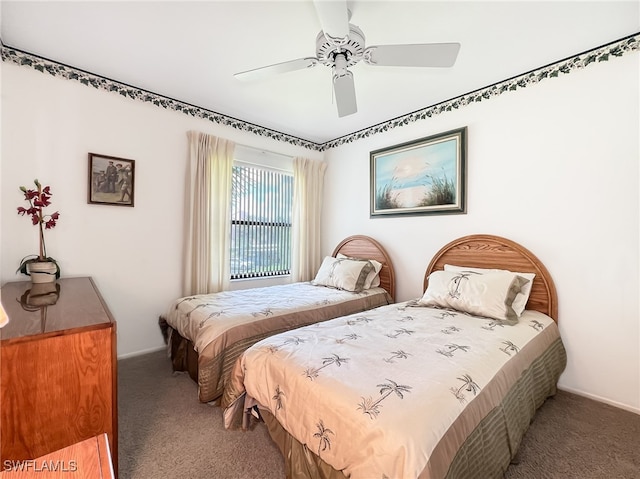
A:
x: 373, y: 393
x: 204, y: 318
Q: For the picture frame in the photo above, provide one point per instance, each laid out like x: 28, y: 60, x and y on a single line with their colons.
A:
x: 420, y: 177
x: 111, y: 180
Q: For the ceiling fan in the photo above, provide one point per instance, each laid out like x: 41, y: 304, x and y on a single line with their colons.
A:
x: 340, y: 45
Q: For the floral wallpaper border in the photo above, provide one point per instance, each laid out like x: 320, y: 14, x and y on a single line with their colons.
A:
x: 600, y: 54
x: 615, y: 49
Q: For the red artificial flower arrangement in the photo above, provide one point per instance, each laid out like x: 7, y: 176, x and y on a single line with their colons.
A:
x: 38, y: 199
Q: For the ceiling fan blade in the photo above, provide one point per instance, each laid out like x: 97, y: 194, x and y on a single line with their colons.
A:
x: 334, y: 18
x: 413, y: 55
x: 276, y: 69
x: 345, y: 92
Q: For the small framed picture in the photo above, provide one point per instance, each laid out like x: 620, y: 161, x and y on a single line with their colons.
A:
x: 111, y: 180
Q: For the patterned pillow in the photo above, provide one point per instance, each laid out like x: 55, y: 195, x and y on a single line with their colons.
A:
x: 489, y: 294
x: 373, y: 278
x: 343, y: 273
x: 521, y: 298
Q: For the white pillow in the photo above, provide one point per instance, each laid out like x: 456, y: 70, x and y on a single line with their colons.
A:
x: 373, y: 278
x: 522, y: 297
x: 343, y: 273
x: 489, y: 294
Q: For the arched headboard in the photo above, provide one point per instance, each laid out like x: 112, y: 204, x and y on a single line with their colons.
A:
x: 361, y: 246
x: 488, y: 251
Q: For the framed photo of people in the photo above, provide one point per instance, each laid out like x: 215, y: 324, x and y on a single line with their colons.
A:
x: 111, y: 180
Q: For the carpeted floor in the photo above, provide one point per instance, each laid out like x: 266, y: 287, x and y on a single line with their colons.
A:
x: 164, y: 432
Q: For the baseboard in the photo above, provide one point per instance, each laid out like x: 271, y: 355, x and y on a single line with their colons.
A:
x: 626, y: 407
x: 140, y: 353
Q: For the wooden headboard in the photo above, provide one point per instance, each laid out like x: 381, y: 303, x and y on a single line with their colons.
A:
x: 488, y: 251
x: 361, y: 246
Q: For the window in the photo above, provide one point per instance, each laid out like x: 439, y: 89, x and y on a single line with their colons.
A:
x: 260, y: 222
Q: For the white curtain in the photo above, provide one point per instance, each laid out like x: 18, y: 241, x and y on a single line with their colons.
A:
x: 208, y: 228
x: 308, y: 182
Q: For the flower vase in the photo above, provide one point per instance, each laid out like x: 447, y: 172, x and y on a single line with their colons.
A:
x: 42, y: 271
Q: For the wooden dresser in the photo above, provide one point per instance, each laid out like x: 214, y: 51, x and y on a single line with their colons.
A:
x: 58, y: 369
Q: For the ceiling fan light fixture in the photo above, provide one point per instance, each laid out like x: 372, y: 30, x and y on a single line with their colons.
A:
x: 340, y: 45
x: 353, y: 48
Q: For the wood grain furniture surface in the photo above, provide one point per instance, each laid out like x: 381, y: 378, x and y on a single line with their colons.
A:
x: 58, y: 375
x: 495, y: 252
x: 86, y: 459
x: 361, y: 246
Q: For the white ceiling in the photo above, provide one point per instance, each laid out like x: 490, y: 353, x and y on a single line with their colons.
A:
x: 189, y: 51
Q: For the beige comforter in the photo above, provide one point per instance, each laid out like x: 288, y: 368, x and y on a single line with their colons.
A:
x: 222, y: 325
x: 393, y: 392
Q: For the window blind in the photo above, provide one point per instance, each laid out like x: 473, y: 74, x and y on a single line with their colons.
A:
x: 260, y: 222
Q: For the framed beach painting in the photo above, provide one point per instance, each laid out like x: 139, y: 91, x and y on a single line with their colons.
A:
x: 420, y: 177
x: 111, y: 180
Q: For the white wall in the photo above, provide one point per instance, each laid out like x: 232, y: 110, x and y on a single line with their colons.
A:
x: 134, y: 254
x: 554, y: 167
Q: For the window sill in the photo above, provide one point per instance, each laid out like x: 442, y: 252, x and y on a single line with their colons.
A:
x: 246, y: 283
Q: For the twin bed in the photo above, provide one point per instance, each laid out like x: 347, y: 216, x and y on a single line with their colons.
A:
x: 207, y: 333
x: 444, y: 386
